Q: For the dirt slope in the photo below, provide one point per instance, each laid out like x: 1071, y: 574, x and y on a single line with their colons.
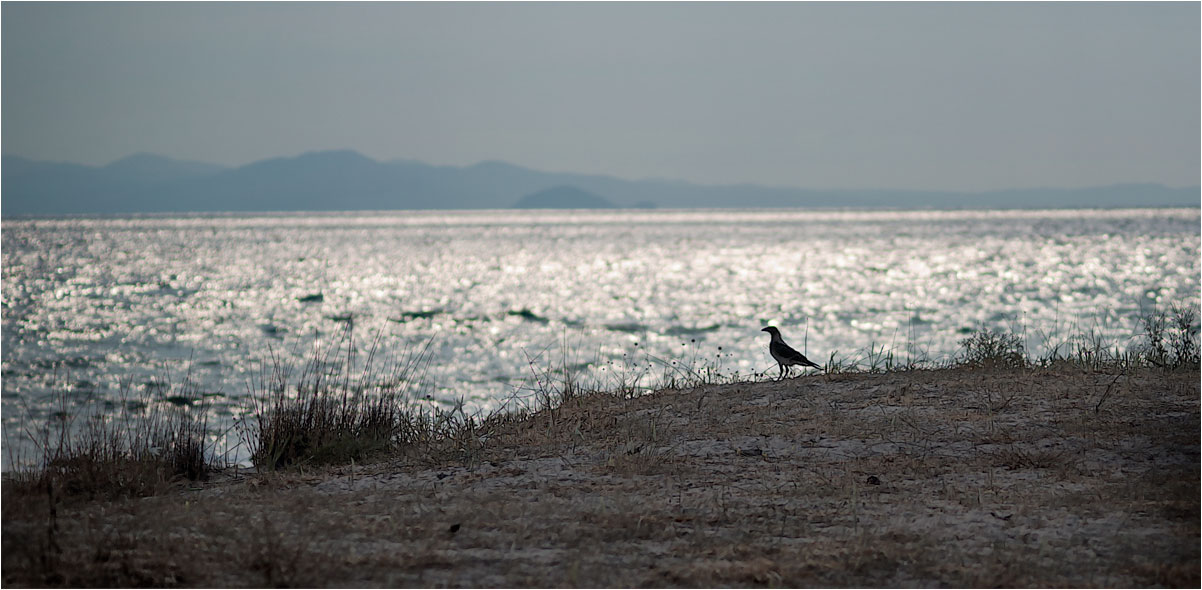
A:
x: 927, y: 478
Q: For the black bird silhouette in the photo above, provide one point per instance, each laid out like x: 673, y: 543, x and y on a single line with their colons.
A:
x: 784, y: 354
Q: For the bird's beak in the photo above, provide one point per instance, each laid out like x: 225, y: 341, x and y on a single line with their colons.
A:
x: 763, y: 329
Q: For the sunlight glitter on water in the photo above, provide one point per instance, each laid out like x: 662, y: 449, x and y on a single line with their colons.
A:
x: 89, y: 301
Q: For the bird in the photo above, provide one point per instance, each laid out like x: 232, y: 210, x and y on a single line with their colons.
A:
x: 784, y: 354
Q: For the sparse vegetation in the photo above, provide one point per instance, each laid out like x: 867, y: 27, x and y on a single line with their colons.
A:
x: 989, y: 349
x: 146, y: 448
x: 1171, y: 337
x: 135, y: 452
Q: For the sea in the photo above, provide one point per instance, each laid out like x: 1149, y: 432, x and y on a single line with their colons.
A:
x: 494, y: 307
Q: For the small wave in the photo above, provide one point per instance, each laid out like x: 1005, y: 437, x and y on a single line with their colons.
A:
x: 78, y: 362
x: 687, y: 331
x: 528, y: 315
x: 415, y: 315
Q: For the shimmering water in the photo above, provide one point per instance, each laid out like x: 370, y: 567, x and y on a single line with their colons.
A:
x: 88, y: 302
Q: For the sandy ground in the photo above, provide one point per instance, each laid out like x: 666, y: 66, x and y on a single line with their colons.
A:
x: 926, y: 478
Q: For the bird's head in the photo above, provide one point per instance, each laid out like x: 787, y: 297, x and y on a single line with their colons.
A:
x: 771, y: 330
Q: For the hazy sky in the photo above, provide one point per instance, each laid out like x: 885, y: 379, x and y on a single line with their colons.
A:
x: 828, y: 95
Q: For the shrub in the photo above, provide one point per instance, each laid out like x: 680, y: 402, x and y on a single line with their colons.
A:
x: 1171, y: 341
x: 989, y: 349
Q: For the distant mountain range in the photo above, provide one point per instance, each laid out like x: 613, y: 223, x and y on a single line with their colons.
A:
x: 347, y: 180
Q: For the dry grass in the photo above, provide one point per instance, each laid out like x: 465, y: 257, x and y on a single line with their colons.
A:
x: 337, y: 409
x: 137, y: 451
x: 955, y: 477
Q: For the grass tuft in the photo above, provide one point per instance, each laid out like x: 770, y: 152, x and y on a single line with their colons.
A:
x: 336, y: 411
